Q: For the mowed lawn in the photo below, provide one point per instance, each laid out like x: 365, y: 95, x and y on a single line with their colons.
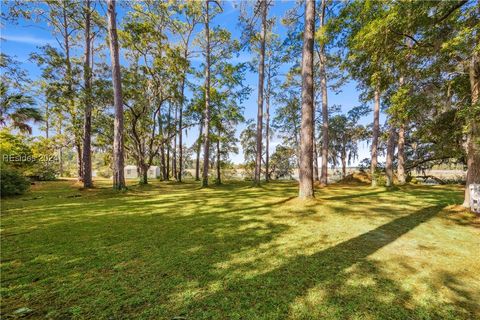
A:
x: 174, y: 251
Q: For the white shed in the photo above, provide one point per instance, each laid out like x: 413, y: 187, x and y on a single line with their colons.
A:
x: 153, y: 172
x: 130, y: 172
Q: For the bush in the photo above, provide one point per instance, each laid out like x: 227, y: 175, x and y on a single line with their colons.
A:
x: 12, y: 182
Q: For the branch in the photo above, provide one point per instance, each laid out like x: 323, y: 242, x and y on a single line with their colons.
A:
x: 449, y: 12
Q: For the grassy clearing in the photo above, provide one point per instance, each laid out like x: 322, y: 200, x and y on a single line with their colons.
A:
x: 236, y: 252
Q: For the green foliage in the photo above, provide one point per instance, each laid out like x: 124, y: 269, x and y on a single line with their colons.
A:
x: 282, y: 162
x: 12, y: 182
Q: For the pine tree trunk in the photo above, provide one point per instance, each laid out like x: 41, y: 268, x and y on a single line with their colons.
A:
x: 390, y: 155
x: 401, y: 155
x: 206, y: 139
x: 87, y: 127
x: 71, y: 101
x: 267, y: 132
x: 473, y: 137
x: 47, y: 120
x: 376, y: 131
x: 401, y: 147
x: 78, y: 148
x: 219, y: 172
x: 261, y: 78
x: 315, y: 162
x: 324, y: 94
x: 118, y: 157
x: 199, y: 147
x: 169, y: 126
x: 174, y: 160
x: 306, y: 134
x: 162, y: 148
x: 180, y: 134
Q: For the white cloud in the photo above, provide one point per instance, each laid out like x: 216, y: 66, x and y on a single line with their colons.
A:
x: 29, y: 40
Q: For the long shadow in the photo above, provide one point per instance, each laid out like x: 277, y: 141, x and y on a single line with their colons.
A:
x: 356, y: 195
x: 269, y: 295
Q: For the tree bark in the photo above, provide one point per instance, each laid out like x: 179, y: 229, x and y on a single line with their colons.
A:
x: 180, y: 134
x: 87, y: 126
x: 344, y: 160
x: 118, y: 156
x: 401, y: 155
x: 323, y: 85
x: 72, y: 111
x: 390, y: 154
x: 261, y: 78
x: 143, y: 172
x: 174, y: 157
x: 199, y: 147
x: 47, y: 120
x: 162, y: 148
x: 315, y: 162
x: 206, y: 140
x: 168, y: 141
x: 78, y: 147
x: 306, y: 139
x: 376, y: 131
x: 401, y: 146
x: 267, y: 132
x: 473, y: 137
x: 219, y: 172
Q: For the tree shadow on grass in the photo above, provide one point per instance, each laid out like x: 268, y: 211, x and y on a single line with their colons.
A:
x: 271, y: 295
x: 156, y: 258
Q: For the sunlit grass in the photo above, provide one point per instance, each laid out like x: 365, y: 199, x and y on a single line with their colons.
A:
x: 236, y: 252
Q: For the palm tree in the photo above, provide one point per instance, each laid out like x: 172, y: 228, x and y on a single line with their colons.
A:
x: 16, y: 110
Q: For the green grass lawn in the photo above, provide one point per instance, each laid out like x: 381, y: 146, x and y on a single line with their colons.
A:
x: 169, y: 250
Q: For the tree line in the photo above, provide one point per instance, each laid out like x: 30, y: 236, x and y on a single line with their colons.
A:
x: 418, y: 62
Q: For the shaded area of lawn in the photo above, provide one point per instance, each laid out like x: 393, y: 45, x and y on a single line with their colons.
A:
x: 236, y: 252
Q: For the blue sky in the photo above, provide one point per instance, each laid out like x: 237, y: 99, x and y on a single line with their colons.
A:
x: 22, y: 39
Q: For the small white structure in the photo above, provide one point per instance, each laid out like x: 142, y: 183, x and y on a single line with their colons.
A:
x: 474, y: 197
x: 153, y: 172
x: 130, y: 172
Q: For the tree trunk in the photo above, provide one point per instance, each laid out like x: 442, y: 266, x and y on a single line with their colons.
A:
x: 87, y: 126
x: 143, y: 172
x: 180, y: 134
x: 118, y: 158
x: 267, y: 132
x: 473, y: 137
x: 162, y: 148
x: 376, y: 130
x: 390, y: 154
x: 60, y: 150
x: 199, y: 147
x: 344, y: 160
x: 71, y: 101
x: 219, y: 172
x: 315, y: 162
x: 306, y: 133
x: 323, y: 84
x: 47, y: 121
x: 78, y: 147
x: 174, y: 157
x: 168, y: 140
x: 206, y: 140
x: 261, y: 78
x: 401, y: 147
x: 401, y: 155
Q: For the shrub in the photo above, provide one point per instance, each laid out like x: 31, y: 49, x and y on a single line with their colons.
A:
x: 12, y: 182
